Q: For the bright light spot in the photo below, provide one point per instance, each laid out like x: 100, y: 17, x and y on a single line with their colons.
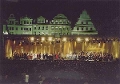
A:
x: 86, y: 39
x: 116, y: 55
x: 5, y: 32
x: 37, y: 39
x: 50, y: 39
x: 43, y: 38
x: 78, y: 39
x: 99, y: 44
x: 64, y: 39
x: 14, y: 42
x: 32, y: 38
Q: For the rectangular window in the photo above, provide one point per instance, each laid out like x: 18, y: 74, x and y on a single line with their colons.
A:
x: 43, y: 28
x: 16, y: 28
x: 82, y: 28
x: 30, y: 29
x: 35, y: 28
x: 35, y: 33
x: 12, y: 28
x: 24, y: 22
x: 86, y: 22
x: 77, y: 28
x: 46, y: 27
x: 90, y: 28
x: 21, y: 28
x: 86, y: 28
x: 39, y: 28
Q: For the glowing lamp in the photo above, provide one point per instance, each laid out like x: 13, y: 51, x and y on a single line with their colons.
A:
x: 32, y: 38
x: 86, y: 39
x: 50, y: 39
x: 64, y: 39
x: 43, y: 38
x: 78, y: 39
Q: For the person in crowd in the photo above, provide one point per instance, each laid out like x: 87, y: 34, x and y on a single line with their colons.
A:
x: 56, y: 56
x: 26, y: 78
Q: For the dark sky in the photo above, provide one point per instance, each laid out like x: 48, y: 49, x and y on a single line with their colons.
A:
x: 104, y: 14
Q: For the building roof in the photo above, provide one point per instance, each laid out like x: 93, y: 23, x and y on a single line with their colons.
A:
x: 60, y: 16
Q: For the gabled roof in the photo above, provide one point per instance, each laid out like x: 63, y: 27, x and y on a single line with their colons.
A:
x: 41, y: 17
x: 60, y: 16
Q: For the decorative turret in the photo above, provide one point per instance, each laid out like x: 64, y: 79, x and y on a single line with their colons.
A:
x: 84, y: 25
x: 41, y: 19
x: 26, y: 20
x: 11, y: 20
x: 60, y: 19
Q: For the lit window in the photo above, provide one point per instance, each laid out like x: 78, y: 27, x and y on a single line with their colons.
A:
x: 81, y: 22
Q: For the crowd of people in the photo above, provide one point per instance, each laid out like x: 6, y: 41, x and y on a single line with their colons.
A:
x: 81, y: 56
x: 59, y: 72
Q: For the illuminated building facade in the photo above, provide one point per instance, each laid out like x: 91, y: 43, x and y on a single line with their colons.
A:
x: 84, y: 25
x: 56, y: 36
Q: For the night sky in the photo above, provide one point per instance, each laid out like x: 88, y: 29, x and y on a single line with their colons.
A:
x: 104, y: 14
